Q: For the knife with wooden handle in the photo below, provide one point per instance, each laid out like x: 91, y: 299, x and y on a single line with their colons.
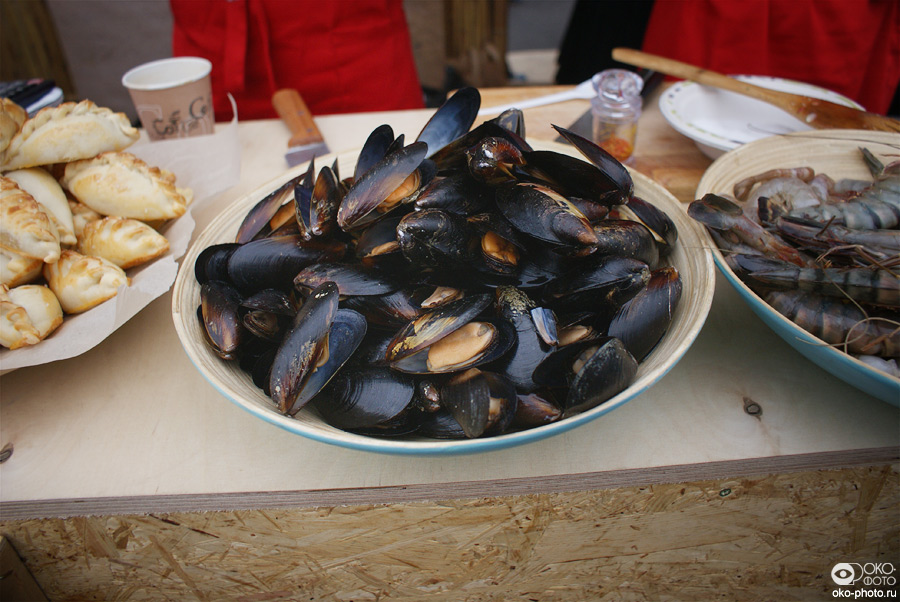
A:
x: 306, y: 141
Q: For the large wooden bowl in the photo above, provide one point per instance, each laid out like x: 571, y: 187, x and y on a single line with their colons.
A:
x: 833, y: 152
x: 691, y: 258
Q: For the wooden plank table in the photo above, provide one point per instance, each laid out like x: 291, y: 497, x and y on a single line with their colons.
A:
x: 131, y: 478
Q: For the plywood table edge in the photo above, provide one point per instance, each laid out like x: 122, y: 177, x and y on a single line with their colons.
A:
x: 424, y: 492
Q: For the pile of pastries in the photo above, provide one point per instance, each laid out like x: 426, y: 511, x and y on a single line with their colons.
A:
x: 76, y: 212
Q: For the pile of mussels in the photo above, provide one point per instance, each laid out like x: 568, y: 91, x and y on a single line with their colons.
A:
x: 462, y: 285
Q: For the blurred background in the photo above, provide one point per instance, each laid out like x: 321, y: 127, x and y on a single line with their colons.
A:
x: 86, y: 46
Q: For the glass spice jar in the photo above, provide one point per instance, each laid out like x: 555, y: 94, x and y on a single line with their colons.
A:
x: 615, y: 111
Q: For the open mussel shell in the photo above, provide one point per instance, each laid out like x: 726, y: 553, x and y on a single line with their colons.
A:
x: 495, y: 161
x: 364, y: 398
x: 392, y: 310
x: 381, y: 183
x: 256, y: 222
x: 273, y: 262
x: 271, y: 300
x: 301, y: 346
x: 643, y: 320
x: 453, y: 158
x: 457, y: 193
x: 451, y: 120
x: 346, y: 333
x: 481, y: 402
x: 618, y: 176
x: 378, y: 246
x: 374, y: 149
x: 657, y: 221
x: 535, y: 409
x: 436, y: 324
x: 476, y: 342
x: 319, y: 216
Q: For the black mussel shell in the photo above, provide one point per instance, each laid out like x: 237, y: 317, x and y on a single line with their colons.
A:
x: 598, y: 284
x: 264, y: 324
x: 364, y: 398
x: 657, y: 221
x: 212, y: 262
x: 440, y: 425
x: 608, y: 165
x: 457, y: 193
x: 436, y: 324
x: 535, y: 409
x: 572, y: 177
x: 604, y: 372
x: 546, y: 215
x: 256, y: 222
x: 271, y: 300
x: 475, y: 343
x: 433, y: 238
x: 378, y: 247
x: 494, y: 161
x: 273, y: 262
x: 626, y: 238
x: 643, y: 320
x: 374, y: 149
x: 220, y: 316
x: 346, y: 333
x: 301, y: 346
x: 377, y: 184
x: 324, y: 201
x: 481, y: 402
x: 452, y: 157
x: 512, y: 120
x: 451, y: 120
x: 529, y: 348
x: 351, y: 279
x: 587, y: 373
x: 392, y: 310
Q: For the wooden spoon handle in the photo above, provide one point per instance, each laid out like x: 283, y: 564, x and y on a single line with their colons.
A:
x: 700, y: 75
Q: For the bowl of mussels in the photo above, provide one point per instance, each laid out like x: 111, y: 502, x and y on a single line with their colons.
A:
x: 462, y: 292
x: 807, y: 230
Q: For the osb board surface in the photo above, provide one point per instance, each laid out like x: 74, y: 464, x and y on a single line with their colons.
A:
x: 754, y: 538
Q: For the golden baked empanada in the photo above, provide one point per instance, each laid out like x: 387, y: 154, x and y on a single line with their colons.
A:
x: 12, y: 116
x: 25, y: 227
x: 123, y: 185
x: 82, y: 281
x: 46, y: 190
x: 68, y: 132
x: 17, y: 269
x: 16, y: 329
x: 82, y: 215
x: 125, y: 242
x: 40, y: 304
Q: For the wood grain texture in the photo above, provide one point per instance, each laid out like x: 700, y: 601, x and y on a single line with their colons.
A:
x: 756, y: 538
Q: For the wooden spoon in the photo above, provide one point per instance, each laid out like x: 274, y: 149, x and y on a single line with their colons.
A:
x: 814, y: 112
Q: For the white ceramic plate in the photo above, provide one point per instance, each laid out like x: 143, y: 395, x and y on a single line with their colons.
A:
x: 719, y: 121
x: 833, y: 152
x: 691, y: 258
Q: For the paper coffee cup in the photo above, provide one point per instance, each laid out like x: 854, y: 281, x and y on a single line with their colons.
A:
x: 173, y: 97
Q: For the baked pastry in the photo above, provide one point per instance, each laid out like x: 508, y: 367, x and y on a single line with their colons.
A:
x: 25, y: 227
x: 123, y: 241
x: 41, y: 305
x: 12, y: 116
x: 81, y: 216
x: 37, y: 182
x: 81, y: 282
x: 17, y: 269
x: 118, y: 183
x: 16, y: 329
x: 68, y: 132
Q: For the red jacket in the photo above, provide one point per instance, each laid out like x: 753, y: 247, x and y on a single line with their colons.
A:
x: 343, y: 56
x: 849, y: 46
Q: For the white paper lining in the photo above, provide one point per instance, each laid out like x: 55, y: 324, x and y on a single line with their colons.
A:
x: 207, y: 165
